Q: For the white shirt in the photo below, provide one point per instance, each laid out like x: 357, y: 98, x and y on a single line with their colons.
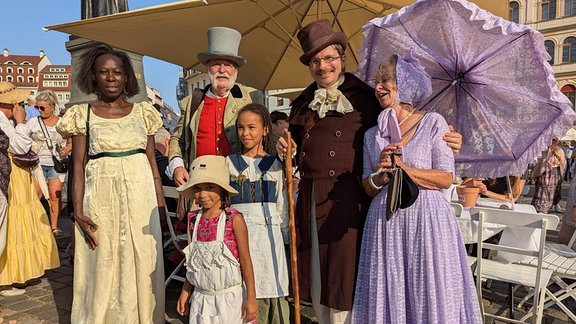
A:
x: 38, y: 137
x: 19, y: 136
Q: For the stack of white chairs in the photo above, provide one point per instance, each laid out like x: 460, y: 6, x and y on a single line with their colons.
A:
x: 560, y: 259
x: 175, y: 239
x: 532, y: 276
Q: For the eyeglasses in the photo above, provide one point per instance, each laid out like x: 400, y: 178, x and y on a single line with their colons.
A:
x: 328, y: 59
x: 40, y: 108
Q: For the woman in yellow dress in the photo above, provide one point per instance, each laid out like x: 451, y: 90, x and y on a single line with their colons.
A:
x: 30, y: 245
x: 117, y: 196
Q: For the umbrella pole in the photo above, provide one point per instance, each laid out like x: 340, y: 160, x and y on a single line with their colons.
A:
x: 510, y: 193
x: 293, y: 252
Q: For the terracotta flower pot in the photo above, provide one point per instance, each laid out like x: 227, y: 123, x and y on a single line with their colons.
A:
x: 467, y: 196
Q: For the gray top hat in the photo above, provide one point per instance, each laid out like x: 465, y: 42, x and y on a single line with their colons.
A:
x: 223, y: 43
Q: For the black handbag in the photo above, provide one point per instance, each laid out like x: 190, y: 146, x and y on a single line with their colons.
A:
x: 60, y: 164
x: 26, y: 161
x: 402, y: 191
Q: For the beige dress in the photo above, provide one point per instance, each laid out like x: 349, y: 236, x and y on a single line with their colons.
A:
x: 122, y: 281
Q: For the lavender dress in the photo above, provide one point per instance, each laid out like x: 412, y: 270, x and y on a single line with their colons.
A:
x: 413, y: 268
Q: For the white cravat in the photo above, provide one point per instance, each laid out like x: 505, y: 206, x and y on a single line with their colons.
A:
x: 327, y: 99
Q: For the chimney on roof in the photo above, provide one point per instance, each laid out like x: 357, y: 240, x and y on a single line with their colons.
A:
x: 6, y: 53
x: 42, y: 54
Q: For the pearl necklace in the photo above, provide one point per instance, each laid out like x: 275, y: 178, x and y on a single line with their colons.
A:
x: 406, y: 118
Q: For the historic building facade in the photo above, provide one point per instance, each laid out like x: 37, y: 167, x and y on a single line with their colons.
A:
x: 556, y: 20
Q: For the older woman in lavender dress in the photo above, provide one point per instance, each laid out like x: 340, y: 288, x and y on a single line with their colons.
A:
x: 413, y: 267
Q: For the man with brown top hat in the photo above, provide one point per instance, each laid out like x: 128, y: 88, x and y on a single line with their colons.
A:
x: 207, y: 125
x: 327, y: 122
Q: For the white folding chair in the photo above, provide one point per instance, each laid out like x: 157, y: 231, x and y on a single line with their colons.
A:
x: 513, y: 273
x: 560, y: 259
x: 457, y: 208
x: 170, y: 192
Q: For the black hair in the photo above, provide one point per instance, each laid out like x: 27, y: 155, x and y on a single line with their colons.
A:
x: 261, y: 111
x: 277, y: 115
x: 86, y: 76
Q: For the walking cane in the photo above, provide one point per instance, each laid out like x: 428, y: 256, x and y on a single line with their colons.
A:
x: 293, y: 255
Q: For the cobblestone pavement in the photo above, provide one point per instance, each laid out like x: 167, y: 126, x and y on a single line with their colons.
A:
x: 49, y: 299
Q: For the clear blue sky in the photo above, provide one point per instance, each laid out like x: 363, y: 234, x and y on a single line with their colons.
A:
x: 21, y: 33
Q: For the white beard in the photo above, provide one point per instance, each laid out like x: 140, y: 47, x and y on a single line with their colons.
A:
x: 231, y: 79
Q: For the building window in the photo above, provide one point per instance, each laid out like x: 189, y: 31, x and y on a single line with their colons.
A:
x: 0, y: 78
x: 20, y: 79
x: 569, y: 8
x: 30, y: 71
x: 31, y: 79
x: 0, y: 69
x: 203, y: 83
x: 10, y: 70
x: 570, y: 92
x: 9, y: 78
x: 548, y: 9
x: 569, y: 50
x: 550, y: 50
x: 514, y: 14
x: 20, y: 70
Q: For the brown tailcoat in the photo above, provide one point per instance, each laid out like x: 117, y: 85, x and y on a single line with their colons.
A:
x: 330, y: 163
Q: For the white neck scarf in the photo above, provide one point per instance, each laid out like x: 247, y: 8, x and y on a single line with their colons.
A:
x: 327, y: 99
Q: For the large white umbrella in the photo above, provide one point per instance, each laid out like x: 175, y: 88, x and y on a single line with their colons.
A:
x: 569, y: 136
x: 176, y: 32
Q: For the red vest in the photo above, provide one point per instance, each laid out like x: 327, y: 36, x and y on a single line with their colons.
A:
x: 211, y: 138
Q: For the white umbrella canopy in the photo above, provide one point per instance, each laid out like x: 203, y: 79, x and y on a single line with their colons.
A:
x: 176, y: 32
x: 569, y: 136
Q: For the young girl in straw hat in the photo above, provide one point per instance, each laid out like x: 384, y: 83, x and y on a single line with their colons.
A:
x: 217, y: 258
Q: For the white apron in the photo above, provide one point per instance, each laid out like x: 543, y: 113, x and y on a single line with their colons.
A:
x: 215, y: 274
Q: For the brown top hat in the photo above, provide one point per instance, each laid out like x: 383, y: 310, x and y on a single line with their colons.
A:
x: 315, y: 36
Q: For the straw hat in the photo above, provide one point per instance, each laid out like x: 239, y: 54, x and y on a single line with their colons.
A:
x: 223, y: 43
x: 9, y: 94
x: 315, y: 36
x: 208, y: 169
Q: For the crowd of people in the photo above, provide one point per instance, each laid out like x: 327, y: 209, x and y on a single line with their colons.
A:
x: 225, y: 155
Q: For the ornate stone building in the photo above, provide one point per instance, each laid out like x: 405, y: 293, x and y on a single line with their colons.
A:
x: 556, y: 20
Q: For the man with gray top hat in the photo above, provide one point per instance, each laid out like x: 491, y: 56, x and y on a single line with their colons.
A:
x: 207, y: 125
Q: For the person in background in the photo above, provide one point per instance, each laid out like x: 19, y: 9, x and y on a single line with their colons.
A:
x: 569, y: 150
x: 279, y: 122
x: 208, y: 116
x: 327, y: 123
x: 568, y: 225
x: 220, y: 288
x: 258, y: 177
x: 31, y: 110
x: 46, y: 102
x: 117, y: 196
x: 161, y: 146
x: 498, y: 188
x: 5, y: 170
x: 30, y: 246
x: 548, y: 173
